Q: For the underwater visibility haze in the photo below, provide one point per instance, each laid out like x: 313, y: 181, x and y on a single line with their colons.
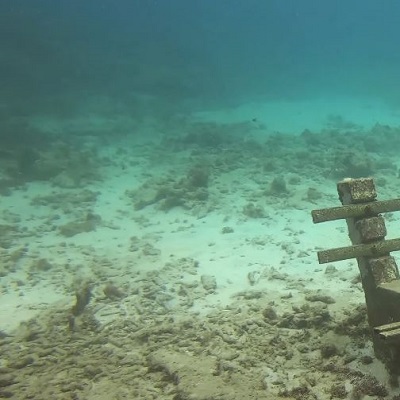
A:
x: 159, y: 160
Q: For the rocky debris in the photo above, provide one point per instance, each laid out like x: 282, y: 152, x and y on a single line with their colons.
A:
x: 88, y: 223
x: 209, y: 283
x: 242, y: 351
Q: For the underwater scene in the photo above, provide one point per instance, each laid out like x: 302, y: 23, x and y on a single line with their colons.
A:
x: 160, y: 161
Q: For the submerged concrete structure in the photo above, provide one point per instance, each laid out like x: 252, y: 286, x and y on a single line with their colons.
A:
x: 378, y: 269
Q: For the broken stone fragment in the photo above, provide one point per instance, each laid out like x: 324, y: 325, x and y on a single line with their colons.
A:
x: 209, y: 283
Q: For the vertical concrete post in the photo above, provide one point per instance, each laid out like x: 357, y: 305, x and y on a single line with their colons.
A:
x: 375, y: 272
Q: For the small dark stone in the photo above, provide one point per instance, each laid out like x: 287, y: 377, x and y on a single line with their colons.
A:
x: 328, y: 350
x: 83, y: 296
x: 366, y: 360
x: 338, y: 391
x: 227, y: 229
x: 42, y: 265
x: 278, y: 187
x: 113, y: 292
x: 269, y: 314
x: 320, y: 297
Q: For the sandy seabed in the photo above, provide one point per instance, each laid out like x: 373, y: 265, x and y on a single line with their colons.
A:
x: 177, y: 260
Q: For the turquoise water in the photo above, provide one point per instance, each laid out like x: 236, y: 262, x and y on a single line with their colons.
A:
x: 57, y: 55
x: 158, y: 164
